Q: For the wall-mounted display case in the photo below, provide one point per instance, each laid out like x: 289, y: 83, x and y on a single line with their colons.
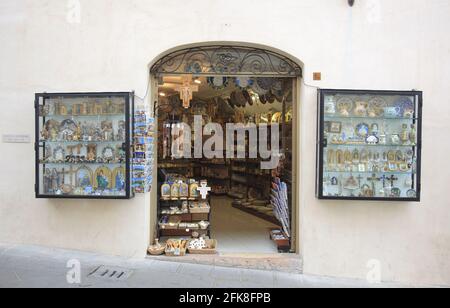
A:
x: 83, y: 145
x: 369, y: 145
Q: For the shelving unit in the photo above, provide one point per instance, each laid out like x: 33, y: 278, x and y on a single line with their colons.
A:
x: 83, y: 145
x: 184, y: 218
x: 369, y: 145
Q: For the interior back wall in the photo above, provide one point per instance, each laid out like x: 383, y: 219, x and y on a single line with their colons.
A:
x: 377, y: 44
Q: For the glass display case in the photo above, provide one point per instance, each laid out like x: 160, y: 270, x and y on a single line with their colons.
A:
x: 369, y: 145
x: 83, y: 145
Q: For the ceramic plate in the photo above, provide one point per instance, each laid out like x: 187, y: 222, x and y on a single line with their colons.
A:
x: 345, y: 105
x: 362, y: 130
x: 243, y: 82
x: 376, y: 106
x: 404, y: 104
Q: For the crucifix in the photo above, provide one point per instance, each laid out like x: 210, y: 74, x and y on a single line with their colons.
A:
x: 187, y: 90
x: 359, y: 177
x: 392, y: 178
x: 373, y: 179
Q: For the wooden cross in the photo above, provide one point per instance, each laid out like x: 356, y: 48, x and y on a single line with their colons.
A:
x: 392, y: 178
x: 373, y: 179
x: 187, y: 90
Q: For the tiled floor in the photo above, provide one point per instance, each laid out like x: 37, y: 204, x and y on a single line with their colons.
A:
x: 237, y: 231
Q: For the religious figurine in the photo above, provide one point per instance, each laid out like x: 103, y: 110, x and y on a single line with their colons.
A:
x: 91, y: 152
x: 404, y: 135
x: 107, y: 130
x: 193, y: 190
x: 78, y: 133
x: 330, y: 105
x: 413, y: 135
x: 175, y: 191
x: 121, y: 133
x: 165, y: 191
x: 184, y: 191
x: 102, y: 180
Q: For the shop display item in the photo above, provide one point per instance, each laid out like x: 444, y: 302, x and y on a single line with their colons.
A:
x: 369, y: 144
x: 176, y: 247
x: 80, y: 149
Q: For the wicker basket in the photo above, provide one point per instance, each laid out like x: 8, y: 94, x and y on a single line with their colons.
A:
x: 178, y: 253
x: 212, y: 250
x: 156, y: 251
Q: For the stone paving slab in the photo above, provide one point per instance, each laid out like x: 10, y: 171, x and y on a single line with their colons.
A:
x: 32, y: 266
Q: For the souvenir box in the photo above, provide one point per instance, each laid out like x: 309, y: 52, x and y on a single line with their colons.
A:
x: 83, y: 145
x: 369, y: 145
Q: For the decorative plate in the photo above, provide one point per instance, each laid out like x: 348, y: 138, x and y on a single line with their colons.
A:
x: 411, y: 193
x: 108, y: 153
x: 404, y: 105
x: 263, y: 99
x: 262, y: 85
x: 243, y: 82
x: 218, y: 83
x: 59, y: 154
x: 362, y: 130
x: 240, y: 99
x: 396, y: 192
x: 344, y: 105
x: 68, y: 125
x: 248, y: 97
x: 376, y: 107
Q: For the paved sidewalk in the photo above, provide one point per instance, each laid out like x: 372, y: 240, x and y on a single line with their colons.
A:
x: 32, y: 266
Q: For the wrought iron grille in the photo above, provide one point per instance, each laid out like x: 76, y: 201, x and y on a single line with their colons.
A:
x: 226, y: 60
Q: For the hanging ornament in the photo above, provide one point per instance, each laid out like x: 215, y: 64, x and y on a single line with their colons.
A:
x: 187, y: 90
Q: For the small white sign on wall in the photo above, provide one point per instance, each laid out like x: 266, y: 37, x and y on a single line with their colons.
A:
x: 16, y: 138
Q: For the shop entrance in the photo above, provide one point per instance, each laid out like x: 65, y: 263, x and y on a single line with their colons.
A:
x: 226, y: 120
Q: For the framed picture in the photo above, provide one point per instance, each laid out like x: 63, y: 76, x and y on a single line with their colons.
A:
x: 335, y: 127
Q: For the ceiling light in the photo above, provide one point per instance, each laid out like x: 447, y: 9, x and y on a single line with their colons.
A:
x: 162, y: 94
x: 198, y: 81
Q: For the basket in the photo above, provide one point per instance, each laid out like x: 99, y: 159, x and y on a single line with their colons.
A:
x: 179, y: 252
x: 206, y: 251
x: 156, y: 251
x: 200, y: 210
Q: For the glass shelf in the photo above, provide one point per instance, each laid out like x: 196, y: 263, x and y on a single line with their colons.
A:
x: 327, y: 116
x: 82, y: 142
x: 85, y: 163
x: 70, y: 116
x: 370, y: 145
x: 373, y: 172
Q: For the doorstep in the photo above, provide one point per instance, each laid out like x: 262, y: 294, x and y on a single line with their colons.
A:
x: 290, y: 263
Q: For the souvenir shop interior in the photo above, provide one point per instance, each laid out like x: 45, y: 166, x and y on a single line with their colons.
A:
x: 248, y: 208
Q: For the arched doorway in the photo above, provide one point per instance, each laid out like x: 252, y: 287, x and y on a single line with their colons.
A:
x: 212, y: 68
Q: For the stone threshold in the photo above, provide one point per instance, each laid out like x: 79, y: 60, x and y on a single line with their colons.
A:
x: 289, y: 263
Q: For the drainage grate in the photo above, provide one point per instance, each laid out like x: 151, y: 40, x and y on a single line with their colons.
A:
x: 111, y: 273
